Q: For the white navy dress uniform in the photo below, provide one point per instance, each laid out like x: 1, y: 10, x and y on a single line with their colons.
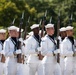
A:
x: 2, y: 65
x: 9, y: 49
x: 62, y: 65
x: 31, y: 46
x: 48, y: 47
x: 20, y: 66
x: 67, y: 50
x: 25, y: 66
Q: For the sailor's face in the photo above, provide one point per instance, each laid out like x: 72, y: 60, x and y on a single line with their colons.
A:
x: 70, y: 32
x: 63, y: 34
x: 13, y: 33
x: 2, y: 36
x: 36, y: 30
x: 50, y: 31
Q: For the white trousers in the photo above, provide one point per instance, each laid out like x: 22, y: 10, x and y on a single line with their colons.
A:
x: 2, y: 68
x: 19, y: 69
x: 69, y: 66
x: 25, y: 69
x: 35, y: 68
x: 11, y: 67
x: 75, y: 65
x: 40, y: 69
x: 52, y: 69
x: 62, y: 65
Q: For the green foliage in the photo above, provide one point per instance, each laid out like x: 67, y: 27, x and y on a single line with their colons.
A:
x: 10, y: 9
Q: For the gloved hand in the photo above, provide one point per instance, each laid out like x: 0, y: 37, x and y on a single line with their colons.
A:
x: 18, y: 51
x: 2, y: 52
x: 38, y: 49
x: 57, y: 51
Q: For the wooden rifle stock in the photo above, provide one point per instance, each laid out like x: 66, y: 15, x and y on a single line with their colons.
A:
x: 25, y: 32
x: 58, y: 55
x: 19, y: 56
x: 58, y: 42
x: 42, y: 34
x: 3, y: 59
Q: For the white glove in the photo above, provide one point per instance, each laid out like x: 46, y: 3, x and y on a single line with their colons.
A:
x: 2, y: 52
x: 57, y: 51
x: 38, y: 49
x: 18, y: 51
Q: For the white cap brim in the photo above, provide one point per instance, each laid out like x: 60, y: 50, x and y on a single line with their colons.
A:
x: 62, y: 29
x: 12, y: 28
x: 34, y: 26
x: 49, y: 26
x: 2, y: 31
x: 69, y: 28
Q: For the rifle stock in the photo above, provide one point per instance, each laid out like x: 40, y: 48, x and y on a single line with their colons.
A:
x: 19, y: 56
x: 42, y: 33
x: 58, y: 42
x: 3, y: 59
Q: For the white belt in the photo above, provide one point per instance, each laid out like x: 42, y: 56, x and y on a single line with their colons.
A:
x: 49, y: 55
x: 62, y: 56
x: 34, y: 54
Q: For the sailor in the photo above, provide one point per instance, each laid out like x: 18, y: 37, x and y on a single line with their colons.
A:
x: 62, y: 32
x: 61, y: 38
x: 20, y: 66
x: 2, y: 58
x: 67, y: 49
x: 10, y: 51
x: 48, y: 50
x: 32, y: 48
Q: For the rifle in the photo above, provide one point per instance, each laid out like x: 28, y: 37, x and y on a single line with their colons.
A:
x: 13, y: 22
x: 50, y: 20
x: 24, y: 38
x: 43, y: 24
x: 42, y: 33
x: 27, y: 23
x: 70, y: 20
x: 58, y: 27
x: 19, y: 58
x: 3, y: 57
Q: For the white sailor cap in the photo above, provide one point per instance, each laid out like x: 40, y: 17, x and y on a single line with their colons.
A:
x: 34, y: 26
x: 2, y: 31
x: 62, y: 29
x: 12, y: 28
x: 30, y: 33
x: 49, y: 25
x: 69, y: 28
x: 18, y: 30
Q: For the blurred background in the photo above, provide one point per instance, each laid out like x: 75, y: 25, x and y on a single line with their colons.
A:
x: 35, y: 9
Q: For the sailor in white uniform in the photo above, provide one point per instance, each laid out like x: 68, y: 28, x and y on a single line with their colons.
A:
x: 2, y: 58
x: 62, y: 37
x: 20, y: 66
x: 67, y: 49
x: 32, y: 48
x: 10, y: 51
x: 48, y: 49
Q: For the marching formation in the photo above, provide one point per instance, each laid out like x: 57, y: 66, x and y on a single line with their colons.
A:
x: 39, y: 52
x: 37, y: 55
